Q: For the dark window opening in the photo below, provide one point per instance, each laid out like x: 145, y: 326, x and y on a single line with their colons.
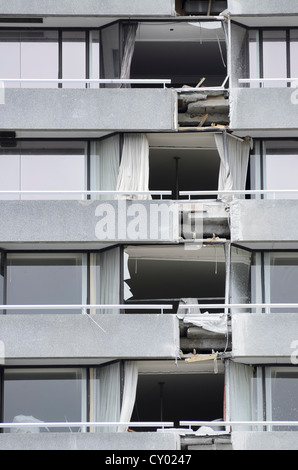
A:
x: 179, y: 397
x: 184, y: 53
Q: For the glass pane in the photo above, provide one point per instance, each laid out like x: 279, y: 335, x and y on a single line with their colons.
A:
x: 48, y: 395
x: 283, y: 280
x: 281, y: 166
x: 284, y: 396
x: 294, y: 54
x: 45, y: 279
x: 94, y: 57
x: 254, y: 68
x: 47, y: 166
x: 39, y: 57
x: 240, y: 277
x: 74, y: 57
x: 10, y: 53
x: 274, y: 46
x: 10, y: 165
x: 110, y: 58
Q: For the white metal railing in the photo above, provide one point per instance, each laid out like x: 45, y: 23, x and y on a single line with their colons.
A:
x: 161, y: 307
x: 240, y: 306
x: 112, y: 81
x: 235, y: 192
x: 20, y: 192
x: 219, y: 424
x: 267, y: 80
x: 84, y: 424
x: 85, y: 307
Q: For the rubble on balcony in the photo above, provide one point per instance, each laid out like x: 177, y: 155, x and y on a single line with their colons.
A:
x: 199, y: 109
x: 202, y: 333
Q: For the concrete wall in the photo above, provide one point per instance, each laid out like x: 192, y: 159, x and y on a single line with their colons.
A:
x: 263, y: 109
x: 264, y: 338
x: 76, y: 339
x: 277, y: 440
x: 264, y: 7
x: 87, y: 7
x: 89, y: 109
x: 88, y: 221
x: 264, y: 223
x: 91, y: 441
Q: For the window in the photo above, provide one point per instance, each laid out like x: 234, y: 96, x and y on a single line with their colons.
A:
x: 178, y: 393
x: 46, y: 279
x: 47, y: 395
x: 184, y: 53
x: 48, y: 54
x: 73, y: 45
x: 272, y: 280
x: 169, y: 274
x: 61, y: 395
x: 281, y: 275
x: 273, y: 167
x: 44, y: 166
x: 275, y: 391
x: 29, y: 54
x: 280, y: 44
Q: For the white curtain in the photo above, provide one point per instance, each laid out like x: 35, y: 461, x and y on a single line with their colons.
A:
x: 104, y: 163
x: 240, y: 385
x: 134, y: 166
x: 234, y: 157
x: 128, y: 52
x: 107, y: 396
x: 129, y: 392
x: 109, y: 282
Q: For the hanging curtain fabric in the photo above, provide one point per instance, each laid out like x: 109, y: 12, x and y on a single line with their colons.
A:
x: 104, y: 162
x: 131, y: 31
x: 107, y: 396
x: 240, y: 380
x: 134, y: 167
x: 129, y: 392
x: 109, y: 279
x: 234, y: 157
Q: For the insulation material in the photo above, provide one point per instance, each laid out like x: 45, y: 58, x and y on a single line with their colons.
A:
x: 190, y: 312
x: 217, y: 323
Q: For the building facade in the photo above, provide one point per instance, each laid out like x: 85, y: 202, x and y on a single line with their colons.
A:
x: 148, y: 200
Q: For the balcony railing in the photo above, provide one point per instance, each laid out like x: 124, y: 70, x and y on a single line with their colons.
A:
x: 89, y: 81
x: 83, y: 193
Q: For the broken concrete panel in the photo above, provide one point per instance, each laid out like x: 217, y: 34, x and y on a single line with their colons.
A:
x: 187, y: 119
x: 217, y: 105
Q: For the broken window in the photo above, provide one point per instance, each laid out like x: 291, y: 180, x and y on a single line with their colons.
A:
x: 174, y: 275
x: 184, y: 52
x: 191, y: 162
x: 178, y: 392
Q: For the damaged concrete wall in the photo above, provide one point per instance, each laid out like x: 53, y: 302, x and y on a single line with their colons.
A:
x: 203, y: 108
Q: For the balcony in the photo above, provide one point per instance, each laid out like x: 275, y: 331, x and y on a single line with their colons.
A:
x: 45, y: 338
x: 264, y: 224
x: 263, y: 112
x: 107, y: 10
x: 264, y: 338
x: 88, y: 110
x: 265, y: 13
x: 91, y: 441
